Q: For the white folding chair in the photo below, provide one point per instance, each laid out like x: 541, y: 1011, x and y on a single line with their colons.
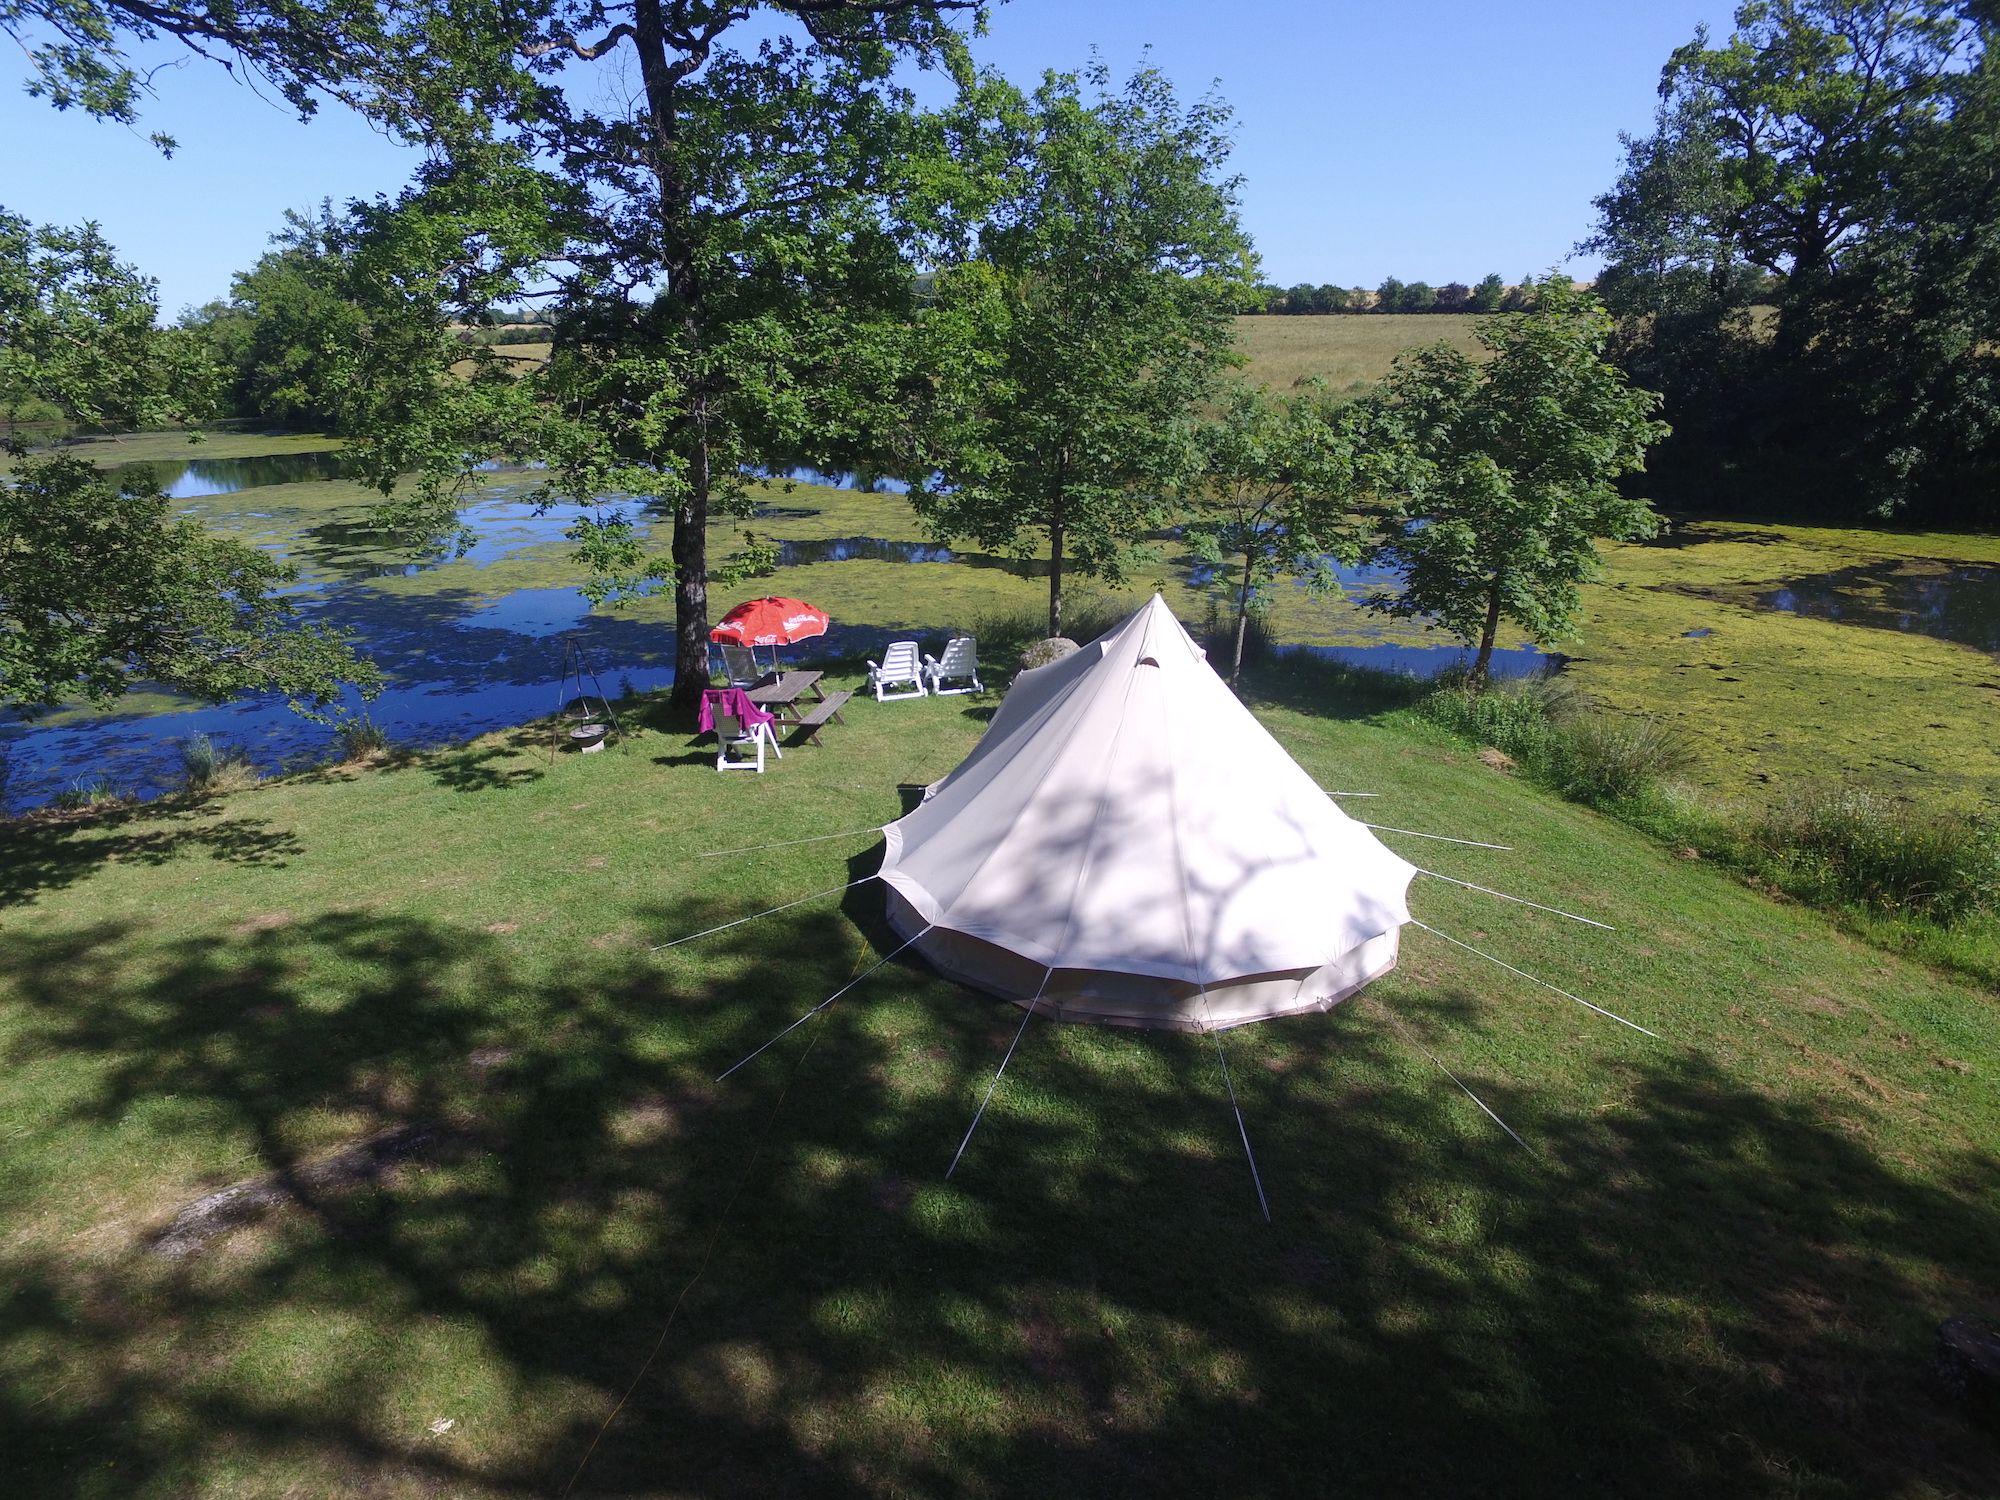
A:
x: 960, y: 664
x: 900, y: 666
x: 732, y: 733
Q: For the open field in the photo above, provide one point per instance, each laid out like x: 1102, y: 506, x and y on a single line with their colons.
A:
x: 1349, y: 352
x: 1720, y: 1265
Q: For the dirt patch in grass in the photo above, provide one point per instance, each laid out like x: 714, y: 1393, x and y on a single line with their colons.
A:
x: 342, y: 1171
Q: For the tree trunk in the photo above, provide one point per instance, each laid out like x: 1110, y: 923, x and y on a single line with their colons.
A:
x: 1055, y: 572
x: 1492, y: 628
x: 690, y: 548
x: 661, y: 76
x: 1242, y: 622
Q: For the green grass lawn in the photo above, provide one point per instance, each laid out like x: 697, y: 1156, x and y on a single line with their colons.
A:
x: 1717, y: 1271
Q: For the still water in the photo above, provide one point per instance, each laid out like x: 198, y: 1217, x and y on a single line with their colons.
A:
x: 458, y: 663
x: 1958, y: 603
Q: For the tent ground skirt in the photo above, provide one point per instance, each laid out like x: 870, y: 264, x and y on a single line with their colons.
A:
x: 1108, y: 997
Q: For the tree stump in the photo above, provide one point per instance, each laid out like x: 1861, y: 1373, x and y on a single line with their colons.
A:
x: 1968, y: 1363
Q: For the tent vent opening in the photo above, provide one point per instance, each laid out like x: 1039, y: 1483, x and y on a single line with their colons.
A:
x: 1148, y: 661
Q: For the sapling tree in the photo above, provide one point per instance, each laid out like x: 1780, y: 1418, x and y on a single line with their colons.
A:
x: 1273, y: 496
x: 1071, y: 357
x: 1507, y: 470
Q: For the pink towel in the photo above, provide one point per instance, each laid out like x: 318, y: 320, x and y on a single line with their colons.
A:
x: 734, y: 702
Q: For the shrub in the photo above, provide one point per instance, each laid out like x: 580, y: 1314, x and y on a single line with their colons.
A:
x: 90, y: 791
x: 1600, y: 758
x: 207, y: 768
x: 1847, y: 845
x: 359, y: 739
x: 1562, y: 739
x: 1005, y: 636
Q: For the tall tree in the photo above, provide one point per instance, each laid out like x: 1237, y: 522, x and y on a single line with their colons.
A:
x: 1736, y: 233
x: 1099, y: 310
x: 711, y: 194
x: 1489, y: 293
x: 1508, y: 471
x: 1273, y: 495
x: 1773, y: 150
x: 102, y: 585
x: 1904, y: 346
x: 286, y: 333
x: 1416, y: 297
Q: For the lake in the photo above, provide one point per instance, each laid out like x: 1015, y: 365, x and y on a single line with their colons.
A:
x: 465, y: 655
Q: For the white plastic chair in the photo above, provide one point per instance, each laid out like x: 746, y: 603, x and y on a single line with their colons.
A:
x: 900, y: 666
x: 731, y: 733
x: 739, y: 665
x: 960, y: 663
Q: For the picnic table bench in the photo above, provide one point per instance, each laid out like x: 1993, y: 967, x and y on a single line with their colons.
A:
x: 815, y: 718
x: 784, y: 696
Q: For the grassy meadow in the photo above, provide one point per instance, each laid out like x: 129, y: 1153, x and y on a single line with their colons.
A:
x: 1349, y: 352
x: 1719, y: 1262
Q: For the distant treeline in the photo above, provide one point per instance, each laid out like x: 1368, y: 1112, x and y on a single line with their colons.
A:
x: 1489, y: 295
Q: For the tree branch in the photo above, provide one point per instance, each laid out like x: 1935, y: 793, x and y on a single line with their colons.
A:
x: 589, y: 52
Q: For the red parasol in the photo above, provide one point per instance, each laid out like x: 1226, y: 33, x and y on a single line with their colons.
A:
x: 770, y: 622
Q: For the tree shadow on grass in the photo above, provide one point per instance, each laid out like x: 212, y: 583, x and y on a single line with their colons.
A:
x: 1327, y: 689
x: 52, y: 851
x: 1709, y: 1287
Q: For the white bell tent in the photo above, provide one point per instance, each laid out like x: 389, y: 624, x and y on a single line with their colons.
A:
x: 1127, y: 844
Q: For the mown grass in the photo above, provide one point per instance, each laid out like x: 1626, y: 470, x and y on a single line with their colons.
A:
x: 1718, y: 1267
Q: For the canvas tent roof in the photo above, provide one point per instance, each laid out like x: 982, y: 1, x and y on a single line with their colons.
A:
x: 1128, y: 844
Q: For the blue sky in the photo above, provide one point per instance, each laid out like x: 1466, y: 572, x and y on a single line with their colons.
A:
x: 1433, y: 141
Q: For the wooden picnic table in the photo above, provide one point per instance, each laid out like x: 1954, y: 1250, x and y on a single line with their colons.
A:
x: 783, y: 692
x: 783, y: 697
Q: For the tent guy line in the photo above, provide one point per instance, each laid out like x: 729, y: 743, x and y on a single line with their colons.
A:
x: 1028, y: 1014
x: 1441, y: 838
x: 1519, y: 900
x: 816, y: 1009
x: 1558, y: 989
x: 832, y: 890
x: 1242, y: 1130
x: 1402, y: 1031
x: 819, y: 838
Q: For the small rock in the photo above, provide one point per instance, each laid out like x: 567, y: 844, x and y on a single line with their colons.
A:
x: 1496, y: 759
